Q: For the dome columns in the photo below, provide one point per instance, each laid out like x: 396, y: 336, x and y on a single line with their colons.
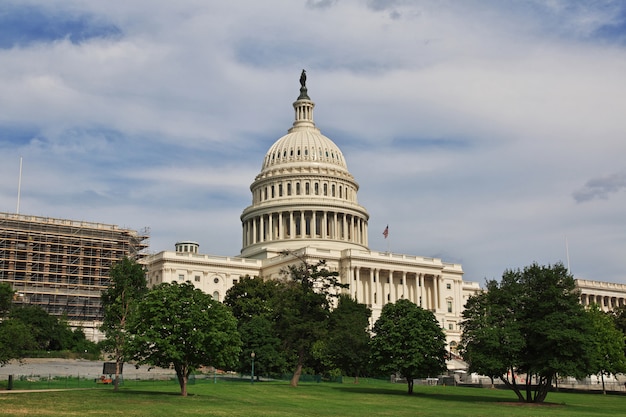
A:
x: 305, y: 224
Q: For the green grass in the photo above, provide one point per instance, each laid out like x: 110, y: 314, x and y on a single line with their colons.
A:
x: 233, y: 399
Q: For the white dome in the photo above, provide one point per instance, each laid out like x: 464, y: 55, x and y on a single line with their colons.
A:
x: 304, y: 194
x: 304, y: 145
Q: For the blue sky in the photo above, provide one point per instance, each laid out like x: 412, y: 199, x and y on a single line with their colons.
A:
x: 483, y: 132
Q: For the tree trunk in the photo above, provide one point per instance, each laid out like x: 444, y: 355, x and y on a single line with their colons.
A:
x: 513, y: 386
x: 298, y: 371
x: 603, y: 388
x: 296, y: 375
x: 182, y: 373
x: 409, y: 382
x: 116, y: 381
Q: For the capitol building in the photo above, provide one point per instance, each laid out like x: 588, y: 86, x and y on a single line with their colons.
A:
x: 305, y: 203
x: 304, y: 206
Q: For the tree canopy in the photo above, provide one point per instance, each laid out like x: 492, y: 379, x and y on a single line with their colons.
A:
x: 527, y: 329
x: 408, y: 340
x: 348, y: 340
x: 6, y: 298
x: 177, y: 324
x: 126, y: 287
x: 16, y: 339
x: 303, y: 308
x: 252, y: 301
x: 608, y: 343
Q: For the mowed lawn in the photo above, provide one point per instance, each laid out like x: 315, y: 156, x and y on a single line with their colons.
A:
x: 368, y: 398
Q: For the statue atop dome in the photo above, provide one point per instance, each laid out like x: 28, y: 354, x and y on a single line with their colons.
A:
x: 303, y: 79
x: 303, y: 91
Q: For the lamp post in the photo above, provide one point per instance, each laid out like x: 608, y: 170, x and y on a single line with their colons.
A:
x: 252, y: 355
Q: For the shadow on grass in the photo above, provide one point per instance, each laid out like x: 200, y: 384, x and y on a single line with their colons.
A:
x: 448, y: 396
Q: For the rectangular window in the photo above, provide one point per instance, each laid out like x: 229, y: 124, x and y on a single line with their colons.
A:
x: 448, y: 286
x: 450, y: 326
x: 197, y: 278
x: 181, y: 277
x: 449, y: 306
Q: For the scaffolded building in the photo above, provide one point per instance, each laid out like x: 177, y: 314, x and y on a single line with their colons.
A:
x: 63, y: 265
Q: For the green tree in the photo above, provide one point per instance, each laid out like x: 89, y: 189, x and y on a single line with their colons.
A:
x: 303, y: 308
x: 6, y: 298
x: 490, y: 339
x: 529, y: 327
x: 619, y: 318
x: 126, y: 287
x: 608, y: 344
x: 16, y: 339
x: 408, y: 340
x: 348, y: 341
x: 49, y: 333
x: 177, y: 324
x: 252, y: 301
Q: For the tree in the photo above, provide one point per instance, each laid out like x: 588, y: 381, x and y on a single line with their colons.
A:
x: 177, y: 324
x: 252, y: 301
x: 303, y: 308
x: 529, y: 327
x: 408, y: 340
x: 608, y: 344
x: 348, y: 341
x: 619, y: 318
x: 49, y: 333
x: 16, y: 339
x: 126, y: 287
x: 6, y: 298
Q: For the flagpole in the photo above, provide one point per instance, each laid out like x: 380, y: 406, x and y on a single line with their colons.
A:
x: 19, y: 188
x: 567, y: 255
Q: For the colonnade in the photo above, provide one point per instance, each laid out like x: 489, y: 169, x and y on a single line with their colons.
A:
x: 606, y: 302
x: 301, y: 224
x: 373, y: 286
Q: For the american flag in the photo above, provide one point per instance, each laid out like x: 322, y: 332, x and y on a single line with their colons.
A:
x: 386, y: 232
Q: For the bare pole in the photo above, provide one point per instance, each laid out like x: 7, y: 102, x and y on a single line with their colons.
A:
x: 567, y: 255
x: 19, y: 188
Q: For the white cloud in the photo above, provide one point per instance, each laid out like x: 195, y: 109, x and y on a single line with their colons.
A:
x: 470, y: 124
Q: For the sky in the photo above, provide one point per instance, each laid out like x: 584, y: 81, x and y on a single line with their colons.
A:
x: 482, y: 132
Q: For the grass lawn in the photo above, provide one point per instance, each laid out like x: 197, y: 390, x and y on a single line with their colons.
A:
x: 369, y: 398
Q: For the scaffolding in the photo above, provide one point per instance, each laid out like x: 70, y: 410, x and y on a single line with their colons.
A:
x: 63, y: 265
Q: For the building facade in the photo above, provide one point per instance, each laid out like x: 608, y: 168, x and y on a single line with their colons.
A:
x: 607, y: 295
x: 63, y: 265
x: 305, y: 202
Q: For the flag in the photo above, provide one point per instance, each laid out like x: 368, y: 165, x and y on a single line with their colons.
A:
x: 386, y: 232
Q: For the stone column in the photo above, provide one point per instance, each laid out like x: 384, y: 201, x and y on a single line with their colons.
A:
x: 405, y: 293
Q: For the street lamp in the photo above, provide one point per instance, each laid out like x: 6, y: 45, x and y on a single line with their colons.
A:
x: 252, y: 355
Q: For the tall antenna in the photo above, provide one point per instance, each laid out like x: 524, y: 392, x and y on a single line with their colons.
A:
x: 567, y: 255
x: 19, y: 188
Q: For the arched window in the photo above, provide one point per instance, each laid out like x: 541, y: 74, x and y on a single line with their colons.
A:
x: 216, y: 295
x: 289, y: 188
x: 297, y: 188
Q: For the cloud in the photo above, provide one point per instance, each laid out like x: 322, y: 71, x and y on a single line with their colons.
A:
x: 466, y: 124
x: 601, y: 188
x: 21, y: 26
